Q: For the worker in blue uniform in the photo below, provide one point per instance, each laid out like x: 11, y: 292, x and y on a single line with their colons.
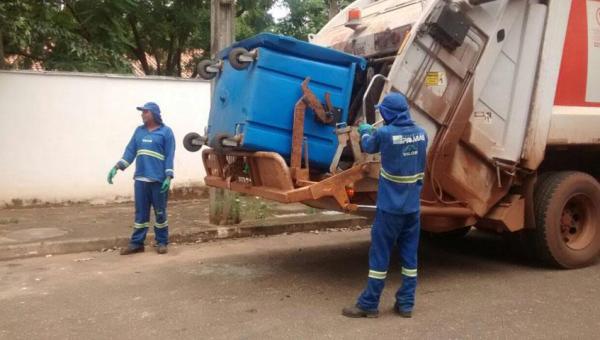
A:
x: 403, y: 147
x: 153, y: 148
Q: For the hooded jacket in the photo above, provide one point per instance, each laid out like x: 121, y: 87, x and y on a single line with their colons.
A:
x: 403, y: 147
x: 153, y: 151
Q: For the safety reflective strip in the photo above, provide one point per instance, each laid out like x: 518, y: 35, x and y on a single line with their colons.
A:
x: 140, y: 225
x: 377, y: 275
x: 126, y: 163
x: 409, y: 272
x: 402, y: 179
x: 162, y: 225
x: 150, y: 153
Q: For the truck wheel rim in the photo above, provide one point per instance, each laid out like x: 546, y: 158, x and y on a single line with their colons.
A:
x: 576, y: 222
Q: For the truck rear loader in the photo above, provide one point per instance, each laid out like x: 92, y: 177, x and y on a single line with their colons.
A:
x: 507, y: 90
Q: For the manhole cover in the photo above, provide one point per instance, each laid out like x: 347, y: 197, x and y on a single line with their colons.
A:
x: 33, y: 234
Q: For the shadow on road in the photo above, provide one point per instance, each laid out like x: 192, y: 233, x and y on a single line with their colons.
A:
x: 476, y: 254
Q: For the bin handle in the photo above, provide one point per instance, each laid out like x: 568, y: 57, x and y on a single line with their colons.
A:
x: 369, y: 88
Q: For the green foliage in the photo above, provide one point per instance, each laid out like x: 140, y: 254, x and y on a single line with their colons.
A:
x: 252, y: 17
x: 305, y: 17
x: 103, y: 36
x: 106, y: 35
x: 43, y: 32
x: 158, y: 29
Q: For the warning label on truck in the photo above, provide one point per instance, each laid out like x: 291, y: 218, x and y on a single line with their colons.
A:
x: 435, y: 79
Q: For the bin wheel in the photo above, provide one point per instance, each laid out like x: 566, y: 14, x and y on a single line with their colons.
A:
x: 188, y: 142
x: 567, y: 218
x: 203, y: 71
x: 234, y: 58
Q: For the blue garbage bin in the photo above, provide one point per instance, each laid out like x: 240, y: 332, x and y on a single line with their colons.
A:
x: 258, y: 101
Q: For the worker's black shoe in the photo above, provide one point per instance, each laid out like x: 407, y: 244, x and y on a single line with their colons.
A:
x: 403, y: 313
x: 161, y: 249
x: 131, y: 250
x: 357, y: 312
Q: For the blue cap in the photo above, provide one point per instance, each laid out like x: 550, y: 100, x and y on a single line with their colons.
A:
x: 150, y: 106
x: 154, y: 109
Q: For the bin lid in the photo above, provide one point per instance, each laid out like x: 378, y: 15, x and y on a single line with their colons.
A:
x: 295, y: 47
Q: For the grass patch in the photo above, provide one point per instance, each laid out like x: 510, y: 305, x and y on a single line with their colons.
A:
x: 253, y: 208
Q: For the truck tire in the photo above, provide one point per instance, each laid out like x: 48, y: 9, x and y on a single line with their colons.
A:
x: 567, y: 215
x: 541, y: 178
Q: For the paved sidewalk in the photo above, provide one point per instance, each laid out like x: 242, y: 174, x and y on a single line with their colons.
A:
x: 39, y: 231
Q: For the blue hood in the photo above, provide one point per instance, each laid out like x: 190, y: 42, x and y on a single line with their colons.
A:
x: 394, y: 110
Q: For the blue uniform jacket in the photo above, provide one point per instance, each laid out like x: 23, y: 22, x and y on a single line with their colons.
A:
x: 154, y: 153
x: 403, y: 147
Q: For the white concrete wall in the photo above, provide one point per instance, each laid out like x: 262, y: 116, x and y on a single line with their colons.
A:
x: 60, y: 133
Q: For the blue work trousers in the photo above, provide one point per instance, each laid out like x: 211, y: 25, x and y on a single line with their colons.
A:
x: 389, y: 230
x: 147, y: 195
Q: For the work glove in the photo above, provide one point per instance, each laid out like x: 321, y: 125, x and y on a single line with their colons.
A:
x: 165, y: 185
x: 365, y: 129
x: 111, y: 174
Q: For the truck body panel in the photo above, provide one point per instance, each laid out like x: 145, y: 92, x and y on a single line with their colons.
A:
x: 497, y: 86
x: 513, y: 91
x: 541, y: 110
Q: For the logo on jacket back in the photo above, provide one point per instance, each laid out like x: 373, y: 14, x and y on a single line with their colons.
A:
x: 147, y: 140
x: 410, y: 150
x: 401, y: 139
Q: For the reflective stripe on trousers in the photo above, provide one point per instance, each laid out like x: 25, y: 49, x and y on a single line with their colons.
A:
x: 389, y: 230
x: 147, y: 196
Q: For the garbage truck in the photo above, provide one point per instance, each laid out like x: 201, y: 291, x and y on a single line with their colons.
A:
x: 507, y: 90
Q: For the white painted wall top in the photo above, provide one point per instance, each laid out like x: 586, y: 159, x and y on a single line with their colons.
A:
x: 60, y: 133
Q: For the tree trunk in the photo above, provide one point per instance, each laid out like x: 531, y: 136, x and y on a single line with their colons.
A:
x: 139, y: 50
x: 170, y: 63
x: 222, y: 25
x: 334, y: 8
x: 178, y: 56
x: 224, y: 206
x: 157, y: 60
x: 2, y: 63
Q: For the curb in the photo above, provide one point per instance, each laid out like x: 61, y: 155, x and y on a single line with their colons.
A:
x: 185, y: 235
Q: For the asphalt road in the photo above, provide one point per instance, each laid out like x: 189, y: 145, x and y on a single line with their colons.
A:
x: 292, y: 286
